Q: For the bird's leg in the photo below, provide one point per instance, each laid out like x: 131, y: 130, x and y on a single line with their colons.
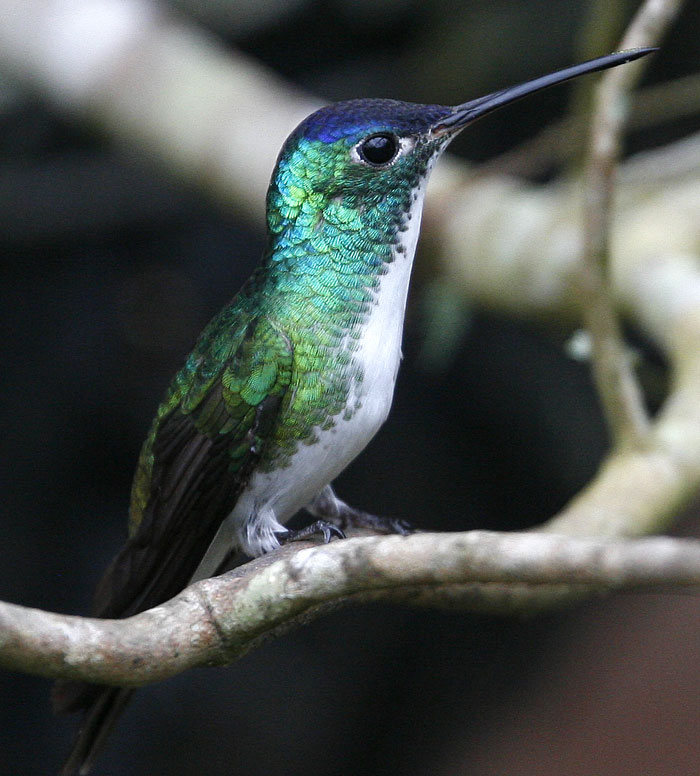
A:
x: 328, y: 507
x: 320, y: 526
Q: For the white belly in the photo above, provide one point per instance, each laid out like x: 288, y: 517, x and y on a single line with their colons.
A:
x: 271, y: 498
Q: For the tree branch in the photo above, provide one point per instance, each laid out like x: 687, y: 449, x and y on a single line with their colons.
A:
x: 217, y: 620
x: 152, y: 81
x: 620, y: 393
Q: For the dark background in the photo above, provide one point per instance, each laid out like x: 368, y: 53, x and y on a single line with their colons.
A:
x: 110, y: 268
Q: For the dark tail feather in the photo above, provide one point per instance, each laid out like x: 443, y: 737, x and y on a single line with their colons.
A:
x: 105, y: 706
x: 191, y: 477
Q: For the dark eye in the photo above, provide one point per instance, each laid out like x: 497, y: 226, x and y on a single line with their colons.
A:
x: 378, y: 150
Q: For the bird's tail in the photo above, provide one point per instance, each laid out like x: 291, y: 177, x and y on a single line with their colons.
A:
x: 102, y: 707
x: 157, y: 562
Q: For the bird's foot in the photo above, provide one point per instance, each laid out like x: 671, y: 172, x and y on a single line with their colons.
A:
x: 328, y: 507
x: 356, y: 518
x: 328, y: 530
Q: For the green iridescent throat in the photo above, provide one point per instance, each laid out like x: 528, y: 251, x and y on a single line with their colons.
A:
x: 333, y: 230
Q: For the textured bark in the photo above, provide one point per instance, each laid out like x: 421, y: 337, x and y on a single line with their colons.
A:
x: 217, y: 620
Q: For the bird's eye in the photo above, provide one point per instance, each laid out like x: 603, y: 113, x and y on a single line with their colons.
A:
x: 378, y: 150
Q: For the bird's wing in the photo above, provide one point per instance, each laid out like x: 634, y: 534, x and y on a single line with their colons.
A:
x: 205, y: 442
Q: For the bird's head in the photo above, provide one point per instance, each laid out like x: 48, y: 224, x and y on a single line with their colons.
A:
x: 374, y: 153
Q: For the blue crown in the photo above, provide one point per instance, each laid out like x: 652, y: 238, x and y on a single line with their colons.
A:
x: 356, y: 117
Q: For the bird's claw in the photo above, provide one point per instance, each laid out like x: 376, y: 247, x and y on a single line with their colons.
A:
x: 388, y: 525
x: 328, y: 530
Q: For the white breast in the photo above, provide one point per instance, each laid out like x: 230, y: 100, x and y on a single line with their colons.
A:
x: 379, y: 351
x: 271, y: 498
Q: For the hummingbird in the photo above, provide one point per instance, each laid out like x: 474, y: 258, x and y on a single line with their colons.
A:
x: 292, y: 379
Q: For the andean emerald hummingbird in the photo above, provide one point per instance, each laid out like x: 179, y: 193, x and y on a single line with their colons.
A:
x: 291, y: 380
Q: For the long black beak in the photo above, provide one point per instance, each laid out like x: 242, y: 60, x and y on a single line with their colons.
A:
x: 474, y: 109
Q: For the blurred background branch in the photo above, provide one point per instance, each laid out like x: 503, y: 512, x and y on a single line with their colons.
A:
x: 618, y: 388
x: 148, y: 79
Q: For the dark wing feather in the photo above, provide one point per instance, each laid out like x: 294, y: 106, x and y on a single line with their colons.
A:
x: 178, y: 524
x: 205, y: 443
x: 203, y: 452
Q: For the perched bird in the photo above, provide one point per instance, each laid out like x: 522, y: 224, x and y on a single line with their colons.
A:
x: 292, y: 379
